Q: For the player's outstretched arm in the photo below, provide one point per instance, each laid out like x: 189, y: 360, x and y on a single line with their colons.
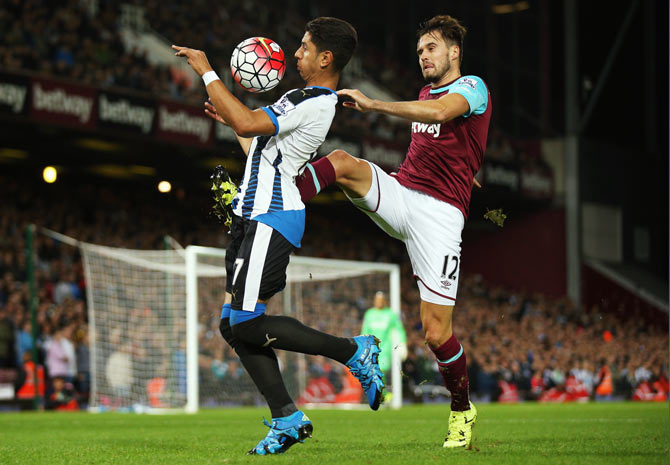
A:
x: 245, y: 122
x: 440, y: 110
x: 245, y: 142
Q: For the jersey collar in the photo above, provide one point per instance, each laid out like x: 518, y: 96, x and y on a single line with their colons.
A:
x: 439, y: 90
x: 322, y: 87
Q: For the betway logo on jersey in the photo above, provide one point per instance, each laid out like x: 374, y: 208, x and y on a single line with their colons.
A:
x: 123, y: 112
x: 181, y: 122
x: 13, y: 96
x: 58, y: 100
x: 427, y: 128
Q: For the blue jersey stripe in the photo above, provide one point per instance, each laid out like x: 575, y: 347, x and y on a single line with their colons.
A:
x: 249, y: 195
x: 277, y: 201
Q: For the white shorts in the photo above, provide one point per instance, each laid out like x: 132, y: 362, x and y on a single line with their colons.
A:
x: 430, y: 228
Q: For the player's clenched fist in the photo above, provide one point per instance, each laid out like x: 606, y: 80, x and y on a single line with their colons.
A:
x: 196, y: 59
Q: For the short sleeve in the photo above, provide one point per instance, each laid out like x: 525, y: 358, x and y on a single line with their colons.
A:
x: 475, y: 92
x: 285, y: 115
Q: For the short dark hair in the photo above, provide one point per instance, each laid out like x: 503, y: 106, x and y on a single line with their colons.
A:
x: 453, y: 32
x: 335, y: 35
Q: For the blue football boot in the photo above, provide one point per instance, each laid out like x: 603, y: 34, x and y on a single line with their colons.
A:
x: 364, y: 365
x: 284, y: 432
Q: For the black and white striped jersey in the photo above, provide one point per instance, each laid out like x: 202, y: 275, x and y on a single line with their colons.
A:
x: 268, y: 194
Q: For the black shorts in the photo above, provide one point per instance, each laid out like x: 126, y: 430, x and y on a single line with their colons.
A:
x: 256, y: 262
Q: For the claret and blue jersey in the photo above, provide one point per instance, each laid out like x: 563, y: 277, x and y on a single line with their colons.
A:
x: 268, y: 194
x: 443, y: 158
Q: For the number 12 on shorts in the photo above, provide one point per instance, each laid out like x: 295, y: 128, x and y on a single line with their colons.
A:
x: 452, y: 274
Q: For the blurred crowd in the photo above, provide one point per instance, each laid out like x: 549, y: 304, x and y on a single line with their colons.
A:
x: 62, y: 39
x: 82, y: 41
x: 525, y: 346
x: 520, y: 346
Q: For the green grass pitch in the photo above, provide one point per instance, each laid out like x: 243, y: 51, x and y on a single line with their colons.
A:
x: 605, y: 433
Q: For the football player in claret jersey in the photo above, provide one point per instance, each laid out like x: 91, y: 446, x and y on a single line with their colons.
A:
x: 268, y: 224
x: 425, y: 203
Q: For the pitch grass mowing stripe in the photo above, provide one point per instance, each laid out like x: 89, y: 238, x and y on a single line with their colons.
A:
x: 607, y: 433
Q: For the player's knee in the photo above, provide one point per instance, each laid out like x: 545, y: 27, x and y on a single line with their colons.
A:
x: 343, y: 163
x: 338, y: 157
x: 432, y: 338
x: 436, y: 335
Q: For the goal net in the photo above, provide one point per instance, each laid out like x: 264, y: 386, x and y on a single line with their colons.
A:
x: 154, y: 339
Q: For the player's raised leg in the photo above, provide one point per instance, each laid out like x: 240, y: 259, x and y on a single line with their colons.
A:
x: 351, y: 174
x: 451, y: 360
x: 359, y: 354
x: 259, y: 272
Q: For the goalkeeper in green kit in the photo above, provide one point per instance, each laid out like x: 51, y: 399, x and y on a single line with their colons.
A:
x: 385, y: 324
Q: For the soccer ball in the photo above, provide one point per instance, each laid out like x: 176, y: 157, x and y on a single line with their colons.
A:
x: 258, y: 64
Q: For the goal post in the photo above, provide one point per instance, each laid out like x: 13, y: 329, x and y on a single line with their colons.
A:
x: 153, y: 327
x: 136, y: 314
x: 192, y: 396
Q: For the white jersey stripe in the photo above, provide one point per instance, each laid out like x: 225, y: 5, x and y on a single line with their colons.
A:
x: 257, y: 256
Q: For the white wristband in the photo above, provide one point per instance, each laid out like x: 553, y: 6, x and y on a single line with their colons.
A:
x: 209, y: 77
